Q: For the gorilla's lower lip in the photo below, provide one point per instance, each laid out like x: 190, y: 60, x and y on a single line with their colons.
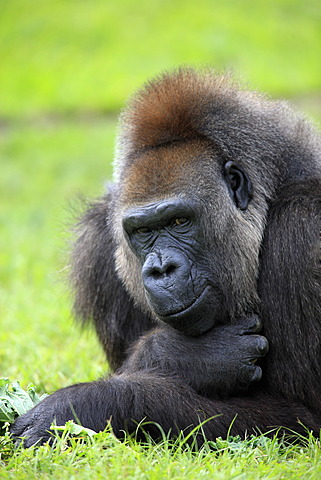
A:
x: 187, y: 310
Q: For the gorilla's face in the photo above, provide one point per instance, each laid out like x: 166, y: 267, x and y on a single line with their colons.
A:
x: 179, y: 281
x: 165, y: 237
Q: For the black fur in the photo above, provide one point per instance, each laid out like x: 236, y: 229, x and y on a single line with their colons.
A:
x: 266, y: 257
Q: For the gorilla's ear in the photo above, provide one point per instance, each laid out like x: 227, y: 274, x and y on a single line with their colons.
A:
x: 239, y: 185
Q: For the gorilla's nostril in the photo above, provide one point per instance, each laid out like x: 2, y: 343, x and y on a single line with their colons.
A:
x: 171, y: 269
x: 156, y: 274
x: 163, y: 272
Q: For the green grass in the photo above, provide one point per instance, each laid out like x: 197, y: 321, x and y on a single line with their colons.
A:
x: 102, y: 456
x: 43, y: 170
x: 66, y: 67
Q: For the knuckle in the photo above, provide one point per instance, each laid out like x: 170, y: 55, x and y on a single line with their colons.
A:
x: 251, y: 374
x: 262, y: 345
x: 256, y: 345
x: 257, y: 374
x: 254, y: 324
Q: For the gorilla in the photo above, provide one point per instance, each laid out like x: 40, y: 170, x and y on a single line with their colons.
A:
x: 200, y: 269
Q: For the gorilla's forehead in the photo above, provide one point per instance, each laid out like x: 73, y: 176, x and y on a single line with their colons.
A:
x: 165, y: 170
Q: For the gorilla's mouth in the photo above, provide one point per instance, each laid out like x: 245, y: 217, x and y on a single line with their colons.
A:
x: 199, y: 317
x: 186, y: 310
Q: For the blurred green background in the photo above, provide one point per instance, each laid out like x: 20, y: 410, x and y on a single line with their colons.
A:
x: 76, y: 56
x: 66, y: 68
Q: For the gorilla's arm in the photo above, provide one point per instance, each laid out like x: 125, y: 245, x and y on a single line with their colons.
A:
x: 289, y: 288
x: 128, y: 400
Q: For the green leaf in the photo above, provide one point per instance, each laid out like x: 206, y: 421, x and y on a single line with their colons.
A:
x: 14, y: 401
x: 73, y: 428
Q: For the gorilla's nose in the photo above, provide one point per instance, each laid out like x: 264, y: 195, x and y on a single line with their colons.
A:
x: 158, y: 267
x: 167, y: 281
x: 169, y: 269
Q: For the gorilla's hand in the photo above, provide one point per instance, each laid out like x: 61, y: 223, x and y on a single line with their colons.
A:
x: 220, y: 362
x: 85, y: 403
x: 34, y: 426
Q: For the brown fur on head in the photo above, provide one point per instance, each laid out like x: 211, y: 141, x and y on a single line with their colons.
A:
x: 164, y: 171
x: 169, y: 109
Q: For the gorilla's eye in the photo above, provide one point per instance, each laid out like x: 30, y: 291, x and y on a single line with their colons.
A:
x: 180, y: 221
x: 143, y: 230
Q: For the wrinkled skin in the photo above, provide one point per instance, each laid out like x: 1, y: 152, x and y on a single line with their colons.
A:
x: 166, y: 238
